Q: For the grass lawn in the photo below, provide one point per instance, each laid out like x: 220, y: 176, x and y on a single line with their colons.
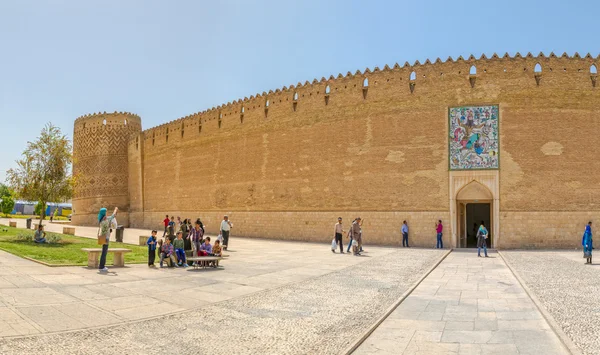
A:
x: 67, y: 251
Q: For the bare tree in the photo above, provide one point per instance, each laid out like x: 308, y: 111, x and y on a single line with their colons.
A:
x: 44, y: 172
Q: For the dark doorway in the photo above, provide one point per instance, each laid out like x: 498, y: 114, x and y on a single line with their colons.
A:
x: 477, y: 213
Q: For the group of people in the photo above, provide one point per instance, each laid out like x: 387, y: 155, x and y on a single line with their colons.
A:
x: 354, y: 235
x: 181, y: 236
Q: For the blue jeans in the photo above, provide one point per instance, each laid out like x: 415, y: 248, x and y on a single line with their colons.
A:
x: 180, y: 255
x: 404, y: 239
x: 484, y: 250
x: 103, y: 256
x: 43, y: 240
x: 440, y: 243
x: 349, y: 245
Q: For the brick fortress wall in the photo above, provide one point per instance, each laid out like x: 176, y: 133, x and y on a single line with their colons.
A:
x: 285, y: 164
x: 100, y: 164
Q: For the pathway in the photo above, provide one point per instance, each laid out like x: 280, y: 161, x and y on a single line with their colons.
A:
x: 467, y: 305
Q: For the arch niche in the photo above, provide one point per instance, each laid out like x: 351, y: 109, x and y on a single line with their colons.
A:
x: 473, y: 198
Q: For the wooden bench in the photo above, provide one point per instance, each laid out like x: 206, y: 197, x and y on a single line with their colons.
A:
x: 94, y: 256
x: 69, y: 230
x: 12, y: 224
x: 202, y: 261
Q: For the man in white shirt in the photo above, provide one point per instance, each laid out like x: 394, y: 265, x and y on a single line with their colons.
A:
x: 226, y: 226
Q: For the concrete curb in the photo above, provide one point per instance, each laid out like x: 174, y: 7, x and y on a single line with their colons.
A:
x: 350, y: 349
x: 565, y: 340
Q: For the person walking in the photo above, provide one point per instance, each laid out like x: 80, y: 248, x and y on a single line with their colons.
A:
x: 338, y: 231
x: 482, y: 235
x: 439, y: 229
x: 587, y: 243
x: 106, y: 225
x: 350, y: 236
x: 166, y: 223
x: 226, y: 226
x: 405, y: 234
x: 356, y: 235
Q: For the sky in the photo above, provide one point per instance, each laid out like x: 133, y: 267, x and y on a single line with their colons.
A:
x: 60, y: 59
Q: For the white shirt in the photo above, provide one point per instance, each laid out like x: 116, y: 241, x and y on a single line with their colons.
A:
x: 225, y: 226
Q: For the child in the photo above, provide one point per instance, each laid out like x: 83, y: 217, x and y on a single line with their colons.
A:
x: 205, y: 249
x: 216, y: 251
x: 151, y: 249
x: 179, y: 245
x: 206, y: 246
x: 172, y: 226
x: 167, y: 252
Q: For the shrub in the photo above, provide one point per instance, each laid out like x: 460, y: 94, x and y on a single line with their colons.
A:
x: 52, y: 238
x: 24, y: 237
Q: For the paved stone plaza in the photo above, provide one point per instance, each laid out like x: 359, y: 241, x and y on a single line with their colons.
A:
x: 568, y: 289
x: 467, y: 305
x: 275, y: 297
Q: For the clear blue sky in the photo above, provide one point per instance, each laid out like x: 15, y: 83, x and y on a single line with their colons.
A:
x: 60, y: 59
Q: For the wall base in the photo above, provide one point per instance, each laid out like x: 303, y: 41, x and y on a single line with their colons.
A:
x: 379, y: 228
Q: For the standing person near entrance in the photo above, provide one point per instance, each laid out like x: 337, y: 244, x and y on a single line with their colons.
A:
x: 106, y: 225
x: 338, y: 231
x: 405, y: 234
x: 166, y: 223
x: 226, y: 226
x: 587, y: 243
x: 439, y: 229
x: 482, y: 235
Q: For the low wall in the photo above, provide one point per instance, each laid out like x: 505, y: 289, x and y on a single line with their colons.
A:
x: 539, y: 230
x: 379, y: 228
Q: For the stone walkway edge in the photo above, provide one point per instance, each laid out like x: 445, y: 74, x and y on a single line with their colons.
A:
x: 547, y: 316
x: 393, y: 307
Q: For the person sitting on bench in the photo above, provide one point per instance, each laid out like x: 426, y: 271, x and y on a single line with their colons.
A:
x: 166, y: 252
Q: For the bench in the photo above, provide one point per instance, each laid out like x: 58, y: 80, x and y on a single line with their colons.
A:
x: 143, y: 240
x: 12, y: 224
x: 69, y: 230
x: 201, y: 261
x: 94, y: 256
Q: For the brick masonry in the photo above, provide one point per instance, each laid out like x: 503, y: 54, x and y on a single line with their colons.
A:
x: 285, y: 164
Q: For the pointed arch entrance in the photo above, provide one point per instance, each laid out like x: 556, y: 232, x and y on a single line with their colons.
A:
x: 473, y: 199
x: 474, y: 206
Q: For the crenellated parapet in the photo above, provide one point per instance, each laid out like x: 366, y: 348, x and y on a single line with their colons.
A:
x: 410, y: 81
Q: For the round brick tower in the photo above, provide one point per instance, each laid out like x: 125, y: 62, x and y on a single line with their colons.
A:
x: 100, y: 164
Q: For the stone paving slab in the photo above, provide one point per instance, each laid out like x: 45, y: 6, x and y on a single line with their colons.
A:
x: 318, y: 315
x: 566, y: 288
x: 33, y: 297
x: 467, y: 305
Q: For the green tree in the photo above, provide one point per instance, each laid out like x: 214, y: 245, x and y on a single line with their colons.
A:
x: 44, y: 172
x: 37, y: 210
x: 8, y: 202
